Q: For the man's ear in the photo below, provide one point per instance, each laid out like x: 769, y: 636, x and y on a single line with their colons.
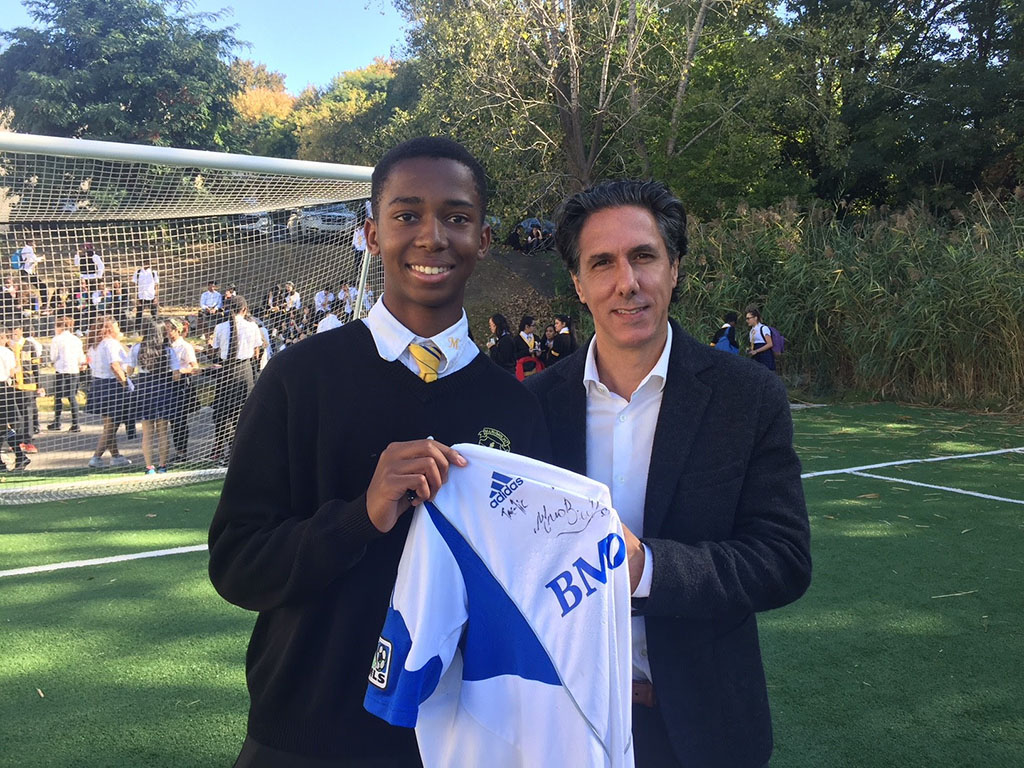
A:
x: 578, y: 287
x: 370, y: 231
x: 485, y: 241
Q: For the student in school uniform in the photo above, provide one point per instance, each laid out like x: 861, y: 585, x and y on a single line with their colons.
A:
x: 10, y: 416
x: 68, y: 357
x: 151, y: 371
x: 147, y: 283
x: 184, y: 402
x: 313, y: 516
x: 502, y: 346
x: 565, y: 340
x: 236, y: 341
x: 108, y: 392
x: 761, y: 349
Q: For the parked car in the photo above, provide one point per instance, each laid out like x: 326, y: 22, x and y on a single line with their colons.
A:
x: 334, y: 219
x: 258, y: 223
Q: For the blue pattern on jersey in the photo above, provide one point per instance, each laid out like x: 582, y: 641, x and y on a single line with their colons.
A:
x: 406, y: 689
x: 498, y: 639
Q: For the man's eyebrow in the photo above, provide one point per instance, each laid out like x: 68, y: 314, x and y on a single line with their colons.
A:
x: 641, y: 248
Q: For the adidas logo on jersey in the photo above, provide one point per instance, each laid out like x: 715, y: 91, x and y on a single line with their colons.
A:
x: 502, y: 487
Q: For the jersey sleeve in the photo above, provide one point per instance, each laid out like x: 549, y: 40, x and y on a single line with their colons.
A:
x: 423, y: 626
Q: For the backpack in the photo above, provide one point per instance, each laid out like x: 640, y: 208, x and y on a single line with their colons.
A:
x: 16, y: 260
x: 778, y: 340
x: 722, y: 342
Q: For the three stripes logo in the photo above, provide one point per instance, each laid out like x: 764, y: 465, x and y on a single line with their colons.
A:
x: 502, y: 487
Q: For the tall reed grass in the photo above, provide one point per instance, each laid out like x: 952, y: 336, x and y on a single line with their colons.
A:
x: 900, y: 305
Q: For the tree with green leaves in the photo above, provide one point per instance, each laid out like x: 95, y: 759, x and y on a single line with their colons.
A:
x: 897, y: 100
x: 143, y: 71
x: 559, y: 95
x: 264, y: 123
x: 346, y: 122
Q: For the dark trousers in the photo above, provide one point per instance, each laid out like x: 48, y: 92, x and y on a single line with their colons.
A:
x: 24, y: 400
x: 10, y: 417
x: 179, y: 435
x: 651, y: 745
x: 141, y: 304
x: 207, y: 320
x: 255, y: 755
x: 66, y: 386
x: 233, y: 386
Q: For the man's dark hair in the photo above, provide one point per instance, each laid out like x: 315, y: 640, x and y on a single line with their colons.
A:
x: 731, y: 317
x: 525, y: 322
x: 652, y: 196
x: 436, y: 147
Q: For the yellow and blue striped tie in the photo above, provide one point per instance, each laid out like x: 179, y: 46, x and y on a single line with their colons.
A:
x: 428, y: 357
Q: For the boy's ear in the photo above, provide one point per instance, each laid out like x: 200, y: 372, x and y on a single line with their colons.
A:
x: 370, y: 231
x: 485, y: 241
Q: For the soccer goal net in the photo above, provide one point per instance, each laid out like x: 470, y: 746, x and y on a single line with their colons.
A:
x: 143, y: 290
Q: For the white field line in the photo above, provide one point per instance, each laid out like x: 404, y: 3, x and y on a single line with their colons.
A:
x: 101, y: 486
x: 101, y: 560
x: 901, y: 481
x: 848, y: 471
x: 852, y: 470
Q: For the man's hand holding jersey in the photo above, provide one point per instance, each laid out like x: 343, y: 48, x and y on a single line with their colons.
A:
x: 407, y: 474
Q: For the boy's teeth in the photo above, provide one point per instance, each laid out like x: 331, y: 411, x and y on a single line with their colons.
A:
x: 430, y: 270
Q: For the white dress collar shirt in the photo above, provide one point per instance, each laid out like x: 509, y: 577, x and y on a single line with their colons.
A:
x: 393, y: 340
x: 67, y: 353
x: 620, y: 437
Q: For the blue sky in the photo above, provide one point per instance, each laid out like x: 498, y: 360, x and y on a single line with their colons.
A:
x: 309, y: 41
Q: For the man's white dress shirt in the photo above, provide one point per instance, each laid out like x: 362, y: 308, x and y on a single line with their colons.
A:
x: 620, y: 436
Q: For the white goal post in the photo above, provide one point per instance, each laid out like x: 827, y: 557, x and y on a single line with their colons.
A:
x: 91, y: 230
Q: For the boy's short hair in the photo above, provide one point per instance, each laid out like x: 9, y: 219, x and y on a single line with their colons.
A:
x: 436, y: 147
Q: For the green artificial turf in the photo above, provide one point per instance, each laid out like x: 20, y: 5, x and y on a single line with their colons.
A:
x: 906, y: 649
x: 904, y: 652
x: 855, y: 435
x: 104, y: 526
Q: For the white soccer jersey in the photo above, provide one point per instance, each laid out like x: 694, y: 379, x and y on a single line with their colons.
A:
x: 507, y: 642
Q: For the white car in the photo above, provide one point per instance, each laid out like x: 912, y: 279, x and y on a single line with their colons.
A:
x: 334, y: 219
x: 258, y: 223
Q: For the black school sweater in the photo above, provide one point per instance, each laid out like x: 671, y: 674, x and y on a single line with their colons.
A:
x: 291, y: 537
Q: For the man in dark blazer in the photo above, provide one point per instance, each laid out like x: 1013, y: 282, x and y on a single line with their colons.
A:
x: 697, y: 448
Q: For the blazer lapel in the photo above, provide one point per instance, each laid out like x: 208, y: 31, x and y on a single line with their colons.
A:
x: 567, y: 401
x: 682, y: 408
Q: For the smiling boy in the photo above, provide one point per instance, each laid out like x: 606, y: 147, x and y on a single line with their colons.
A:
x: 338, y: 435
